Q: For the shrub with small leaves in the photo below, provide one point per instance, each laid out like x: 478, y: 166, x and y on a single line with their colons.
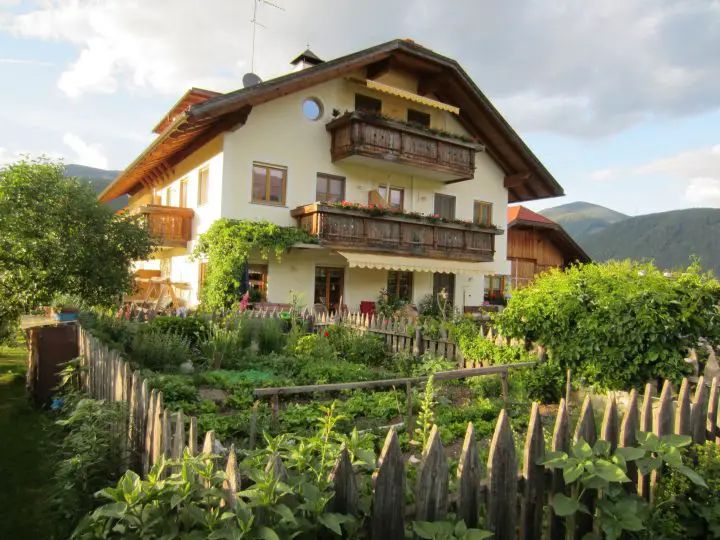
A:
x: 160, y: 351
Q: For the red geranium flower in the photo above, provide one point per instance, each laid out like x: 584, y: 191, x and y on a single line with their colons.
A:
x: 326, y: 333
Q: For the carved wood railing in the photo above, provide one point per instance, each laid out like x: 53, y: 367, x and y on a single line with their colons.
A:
x: 361, y: 134
x: 359, y: 231
x: 171, y: 226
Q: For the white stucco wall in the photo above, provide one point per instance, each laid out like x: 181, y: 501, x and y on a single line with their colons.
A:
x: 277, y: 133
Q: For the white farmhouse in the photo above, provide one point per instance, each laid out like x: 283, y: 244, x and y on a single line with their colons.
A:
x: 396, y: 126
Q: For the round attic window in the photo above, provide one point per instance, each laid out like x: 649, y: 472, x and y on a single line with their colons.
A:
x: 312, y: 109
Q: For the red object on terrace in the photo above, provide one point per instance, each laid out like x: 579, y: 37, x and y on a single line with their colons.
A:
x: 367, y: 308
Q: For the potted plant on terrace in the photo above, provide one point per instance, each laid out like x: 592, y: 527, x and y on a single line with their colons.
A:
x: 65, y: 307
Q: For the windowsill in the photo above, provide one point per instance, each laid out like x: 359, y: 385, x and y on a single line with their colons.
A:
x: 275, y: 205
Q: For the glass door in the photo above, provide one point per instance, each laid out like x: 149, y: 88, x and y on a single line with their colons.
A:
x: 329, y: 287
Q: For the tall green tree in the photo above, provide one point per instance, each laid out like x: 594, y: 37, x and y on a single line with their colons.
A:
x: 618, y: 325
x: 57, y: 238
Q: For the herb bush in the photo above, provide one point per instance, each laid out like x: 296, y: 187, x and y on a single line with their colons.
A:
x: 160, y: 351
x: 178, y: 390
x: 117, y: 334
x: 618, y: 324
x: 193, y: 329
x: 270, y: 336
x: 543, y: 382
x: 88, y: 457
x: 222, y: 345
x: 361, y: 348
x: 685, y: 510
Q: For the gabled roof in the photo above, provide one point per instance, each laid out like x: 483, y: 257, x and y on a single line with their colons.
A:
x: 521, y: 217
x: 526, y: 177
x: 188, y: 99
x: 525, y: 214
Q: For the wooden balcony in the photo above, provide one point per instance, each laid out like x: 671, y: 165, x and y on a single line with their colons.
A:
x: 170, y: 226
x: 356, y: 230
x: 362, y: 138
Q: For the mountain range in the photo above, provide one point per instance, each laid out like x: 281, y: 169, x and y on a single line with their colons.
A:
x: 98, y: 178
x: 668, y: 238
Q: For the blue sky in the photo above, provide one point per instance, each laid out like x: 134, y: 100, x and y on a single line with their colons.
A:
x: 621, y: 100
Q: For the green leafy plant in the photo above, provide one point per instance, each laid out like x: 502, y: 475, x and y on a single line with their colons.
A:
x: 160, y: 351
x: 544, y: 382
x: 316, y: 347
x: 618, y: 324
x: 88, y: 457
x: 227, y: 245
x: 193, y: 329
x: 221, y: 344
x: 429, y: 363
x: 596, y: 470
x: 387, y: 304
x: 684, y: 509
x: 270, y: 337
x: 426, y: 418
x: 448, y: 530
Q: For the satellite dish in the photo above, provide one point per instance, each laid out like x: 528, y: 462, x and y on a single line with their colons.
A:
x: 250, y: 79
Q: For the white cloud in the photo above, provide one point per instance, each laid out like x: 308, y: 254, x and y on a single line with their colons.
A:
x: 699, y: 167
x: 578, y: 68
x: 704, y: 192
x: 24, y: 61
x: 86, y: 154
x: 8, y: 156
x: 611, y: 173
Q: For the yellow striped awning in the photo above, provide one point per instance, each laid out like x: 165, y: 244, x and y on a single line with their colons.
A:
x: 415, y: 264
x: 399, y: 92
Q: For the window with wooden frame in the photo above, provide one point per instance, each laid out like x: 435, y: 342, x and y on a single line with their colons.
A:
x: 182, y: 203
x: 445, y: 206
x: 400, y: 284
x: 329, y: 188
x: 418, y: 117
x: 203, y: 186
x: 169, y: 196
x: 394, y: 196
x: 268, y: 184
x: 482, y: 213
x: 367, y: 103
x: 257, y: 280
x: 202, y: 273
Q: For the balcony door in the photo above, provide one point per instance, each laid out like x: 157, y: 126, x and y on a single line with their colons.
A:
x: 445, y: 206
x: 329, y: 284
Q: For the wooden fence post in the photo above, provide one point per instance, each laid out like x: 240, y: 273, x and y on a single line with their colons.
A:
x: 585, y: 430
x: 560, y: 443
x: 628, y: 437
x: 502, y: 481
x: 388, y: 501
x: 468, y: 472
x: 345, y: 490
x: 534, y: 489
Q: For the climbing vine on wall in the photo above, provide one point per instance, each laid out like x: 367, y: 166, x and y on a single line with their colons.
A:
x: 228, y: 244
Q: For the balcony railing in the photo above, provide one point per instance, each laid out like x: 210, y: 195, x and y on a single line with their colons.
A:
x: 356, y: 230
x: 169, y: 225
x: 359, y: 136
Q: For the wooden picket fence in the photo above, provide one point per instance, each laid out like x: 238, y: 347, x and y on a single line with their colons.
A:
x: 511, y: 491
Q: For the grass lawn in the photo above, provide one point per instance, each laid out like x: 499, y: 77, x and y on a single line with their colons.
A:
x: 25, y: 455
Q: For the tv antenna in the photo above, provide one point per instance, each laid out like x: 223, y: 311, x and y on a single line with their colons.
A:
x: 256, y: 23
